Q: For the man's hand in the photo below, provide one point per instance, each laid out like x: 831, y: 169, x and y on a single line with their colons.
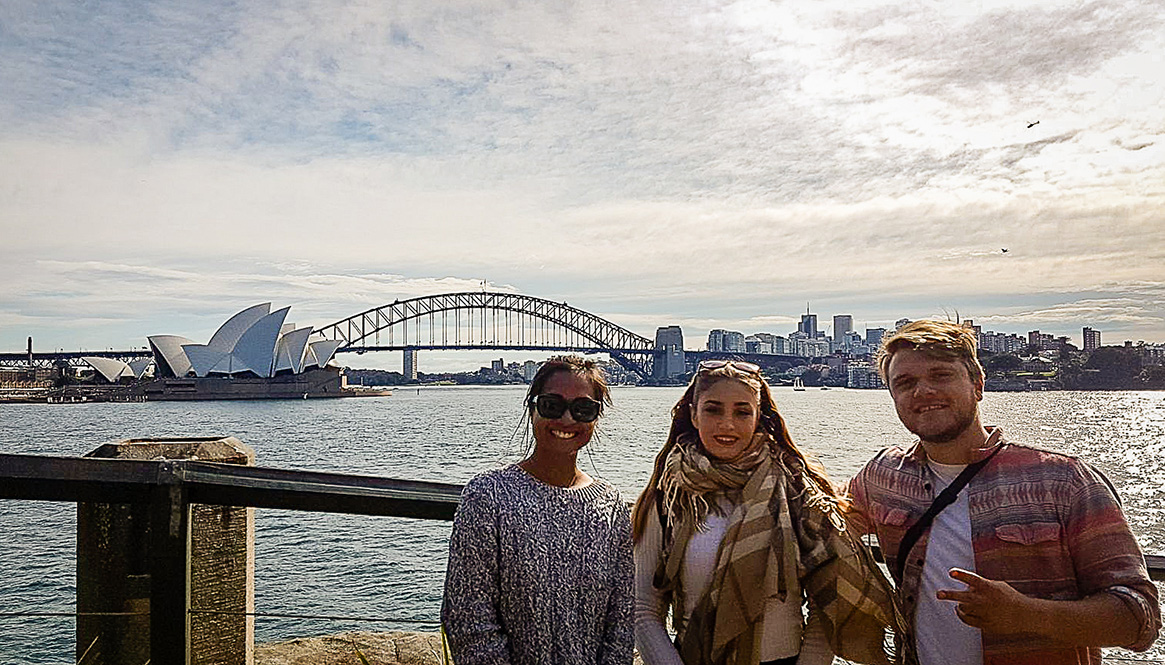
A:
x: 1099, y: 620
x: 989, y: 605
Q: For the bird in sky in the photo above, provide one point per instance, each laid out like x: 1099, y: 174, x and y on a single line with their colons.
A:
x: 1032, y: 124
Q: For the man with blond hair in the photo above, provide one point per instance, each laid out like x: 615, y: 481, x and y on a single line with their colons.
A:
x: 1002, y: 553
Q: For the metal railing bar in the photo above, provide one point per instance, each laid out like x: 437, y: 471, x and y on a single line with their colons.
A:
x: 107, y: 480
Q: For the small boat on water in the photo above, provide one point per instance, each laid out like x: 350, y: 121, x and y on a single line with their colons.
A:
x: 798, y: 384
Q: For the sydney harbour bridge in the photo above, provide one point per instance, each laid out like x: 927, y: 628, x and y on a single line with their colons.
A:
x: 481, y: 320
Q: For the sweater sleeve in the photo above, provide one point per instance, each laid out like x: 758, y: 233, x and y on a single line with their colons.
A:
x: 469, y: 610
x: 655, y: 647
x: 618, y: 635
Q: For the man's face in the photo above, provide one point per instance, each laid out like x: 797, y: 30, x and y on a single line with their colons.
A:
x: 936, y: 399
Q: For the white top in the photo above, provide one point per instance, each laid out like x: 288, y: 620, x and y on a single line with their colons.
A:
x: 784, y: 626
x: 941, y: 637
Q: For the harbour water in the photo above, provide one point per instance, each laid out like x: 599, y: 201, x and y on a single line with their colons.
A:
x: 392, y: 569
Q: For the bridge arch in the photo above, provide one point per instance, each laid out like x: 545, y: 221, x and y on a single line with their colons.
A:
x: 489, y: 320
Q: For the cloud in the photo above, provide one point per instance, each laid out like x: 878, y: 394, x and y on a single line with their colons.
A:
x: 1099, y: 311
x: 687, y: 162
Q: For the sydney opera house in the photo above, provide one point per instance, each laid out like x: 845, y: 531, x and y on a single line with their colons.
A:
x: 256, y: 354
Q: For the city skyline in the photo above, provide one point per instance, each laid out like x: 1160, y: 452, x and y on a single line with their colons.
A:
x: 700, y: 164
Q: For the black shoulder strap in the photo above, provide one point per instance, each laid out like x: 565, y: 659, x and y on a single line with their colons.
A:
x: 944, y: 499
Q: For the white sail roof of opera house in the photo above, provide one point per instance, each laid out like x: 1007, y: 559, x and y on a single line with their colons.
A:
x: 255, y: 341
x: 114, y: 370
x: 168, y: 353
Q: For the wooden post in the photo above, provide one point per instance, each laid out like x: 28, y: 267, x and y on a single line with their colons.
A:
x: 190, y: 567
x: 170, y: 573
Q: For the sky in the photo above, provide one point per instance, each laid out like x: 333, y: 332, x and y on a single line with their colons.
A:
x: 165, y: 164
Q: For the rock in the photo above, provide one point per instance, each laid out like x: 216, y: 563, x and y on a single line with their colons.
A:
x: 403, y: 648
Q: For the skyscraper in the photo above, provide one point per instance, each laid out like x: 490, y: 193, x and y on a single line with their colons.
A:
x: 808, y: 324
x: 843, y: 324
x: 410, y: 364
x: 1091, y: 339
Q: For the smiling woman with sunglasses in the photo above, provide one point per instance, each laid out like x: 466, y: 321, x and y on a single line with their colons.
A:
x: 540, y: 565
x: 738, y: 531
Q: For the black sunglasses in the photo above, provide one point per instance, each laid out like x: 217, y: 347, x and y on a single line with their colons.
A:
x: 741, y: 365
x: 582, y: 409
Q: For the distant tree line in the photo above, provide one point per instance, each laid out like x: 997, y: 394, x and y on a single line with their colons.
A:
x: 1106, y: 368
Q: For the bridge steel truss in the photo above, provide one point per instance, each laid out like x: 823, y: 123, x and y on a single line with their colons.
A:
x: 489, y: 320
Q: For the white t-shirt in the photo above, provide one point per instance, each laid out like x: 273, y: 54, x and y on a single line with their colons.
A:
x: 941, y: 637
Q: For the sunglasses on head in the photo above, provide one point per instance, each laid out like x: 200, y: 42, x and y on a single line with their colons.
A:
x: 751, y: 368
x: 582, y: 409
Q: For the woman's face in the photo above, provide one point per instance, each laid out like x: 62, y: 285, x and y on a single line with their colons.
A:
x: 726, y: 415
x: 563, y: 435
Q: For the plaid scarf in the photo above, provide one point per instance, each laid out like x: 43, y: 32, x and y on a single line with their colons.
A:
x: 783, y: 524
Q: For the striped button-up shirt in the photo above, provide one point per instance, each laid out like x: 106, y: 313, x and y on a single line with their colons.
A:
x: 1045, y: 523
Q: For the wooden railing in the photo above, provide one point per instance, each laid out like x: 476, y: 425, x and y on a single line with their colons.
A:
x: 170, y: 487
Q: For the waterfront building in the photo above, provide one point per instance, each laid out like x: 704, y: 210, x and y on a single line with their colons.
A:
x: 900, y: 322
x: 860, y: 374
x: 874, y: 337
x: 1091, y: 339
x: 254, y: 343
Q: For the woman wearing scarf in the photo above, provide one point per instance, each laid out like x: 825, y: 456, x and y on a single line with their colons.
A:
x: 737, y: 530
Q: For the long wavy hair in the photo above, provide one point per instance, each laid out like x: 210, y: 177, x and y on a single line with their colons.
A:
x: 770, y: 421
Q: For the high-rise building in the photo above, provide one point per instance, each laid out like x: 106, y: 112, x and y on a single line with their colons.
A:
x: 410, y: 364
x: 1091, y: 339
x: 1042, y: 341
x: 716, y: 339
x: 776, y: 343
x: 843, y: 324
x: 874, y: 337
x: 808, y: 325
x: 733, y: 341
